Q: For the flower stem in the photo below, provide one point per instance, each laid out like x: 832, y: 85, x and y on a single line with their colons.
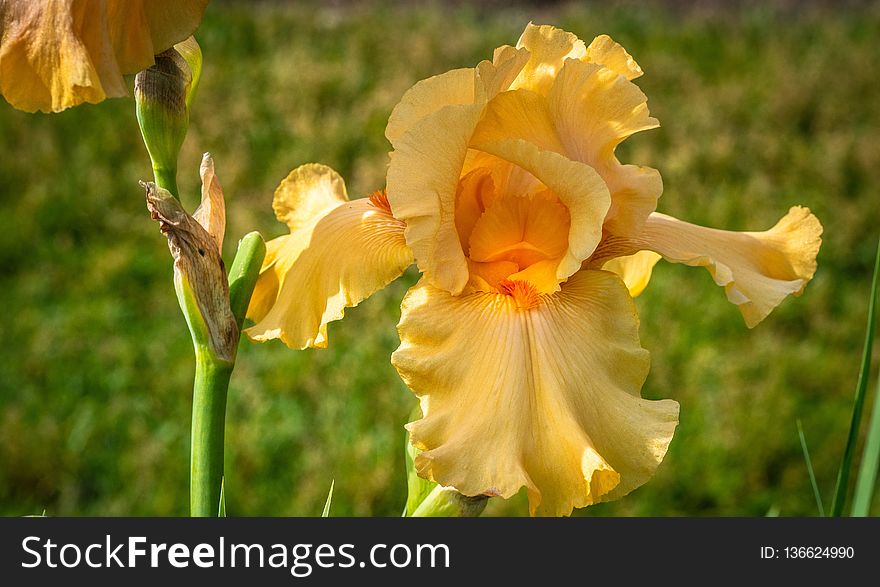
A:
x: 166, y: 178
x: 208, y: 431
x: 211, y: 388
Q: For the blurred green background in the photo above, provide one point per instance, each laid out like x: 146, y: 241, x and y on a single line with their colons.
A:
x: 761, y: 108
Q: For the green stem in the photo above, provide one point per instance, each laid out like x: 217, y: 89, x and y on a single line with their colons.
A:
x: 211, y: 388
x: 208, y: 431
x: 167, y: 179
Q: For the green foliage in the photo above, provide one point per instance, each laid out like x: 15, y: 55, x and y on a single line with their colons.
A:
x: 325, y: 513
x: 760, y: 109
x: 842, y: 487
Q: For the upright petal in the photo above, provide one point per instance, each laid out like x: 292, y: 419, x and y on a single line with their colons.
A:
x: 549, y: 48
x: 429, y: 96
x: 329, y: 262
x: 542, y: 391
x: 423, y: 180
x: 594, y: 109
x: 604, y: 51
x: 756, y: 269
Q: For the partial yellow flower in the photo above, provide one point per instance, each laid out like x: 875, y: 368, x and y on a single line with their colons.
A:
x: 521, y: 339
x: 338, y: 253
x: 55, y: 54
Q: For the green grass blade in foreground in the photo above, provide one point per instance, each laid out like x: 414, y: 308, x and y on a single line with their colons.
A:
x: 326, y: 512
x: 845, y: 466
x: 870, y: 463
x: 809, y: 462
x: 221, y: 511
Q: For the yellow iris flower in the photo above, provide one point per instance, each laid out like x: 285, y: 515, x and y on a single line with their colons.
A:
x: 55, y: 54
x: 521, y: 338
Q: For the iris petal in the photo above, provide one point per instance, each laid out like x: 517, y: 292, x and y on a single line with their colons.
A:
x: 546, y: 398
x: 756, y: 269
x: 330, y: 261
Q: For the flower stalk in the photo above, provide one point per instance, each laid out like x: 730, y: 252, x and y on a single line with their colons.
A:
x: 211, y: 385
x: 208, y: 432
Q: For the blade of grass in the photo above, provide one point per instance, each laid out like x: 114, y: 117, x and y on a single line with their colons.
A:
x: 326, y: 512
x: 846, y: 464
x: 870, y: 463
x: 812, y: 475
x: 221, y: 511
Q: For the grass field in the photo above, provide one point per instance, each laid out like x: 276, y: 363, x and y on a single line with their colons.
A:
x: 760, y: 109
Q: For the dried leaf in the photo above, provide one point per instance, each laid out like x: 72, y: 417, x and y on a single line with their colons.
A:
x: 198, y: 269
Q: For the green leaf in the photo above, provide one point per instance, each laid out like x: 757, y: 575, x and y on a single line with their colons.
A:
x: 221, y: 512
x: 870, y: 463
x: 845, y: 466
x: 809, y: 462
x: 326, y: 512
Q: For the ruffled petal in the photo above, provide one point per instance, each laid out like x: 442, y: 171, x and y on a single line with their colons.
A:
x: 635, y: 270
x: 756, y: 269
x: 549, y: 48
x: 307, y: 193
x: 423, y: 180
x: 604, y: 51
x: 429, y: 96
x: 54, y: 55
x: 519, y: 114
x: 331, y: 262
x: 533, y: 390
x: 593, y: 110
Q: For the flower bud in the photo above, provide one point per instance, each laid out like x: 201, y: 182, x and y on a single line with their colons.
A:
x: 162, y: 94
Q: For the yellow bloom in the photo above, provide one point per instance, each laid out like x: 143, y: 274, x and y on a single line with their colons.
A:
x: 55, y: 54
x: 521, y: 338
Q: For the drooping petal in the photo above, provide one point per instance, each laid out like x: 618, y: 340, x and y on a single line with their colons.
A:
x: 422, y: 183
x: 165, y: 23
x: 59, y: 53
x: 756, y: 269
x: 272, y: 275
x: 635, y: 270
x: 331, y: 262
x: 530, y: 390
